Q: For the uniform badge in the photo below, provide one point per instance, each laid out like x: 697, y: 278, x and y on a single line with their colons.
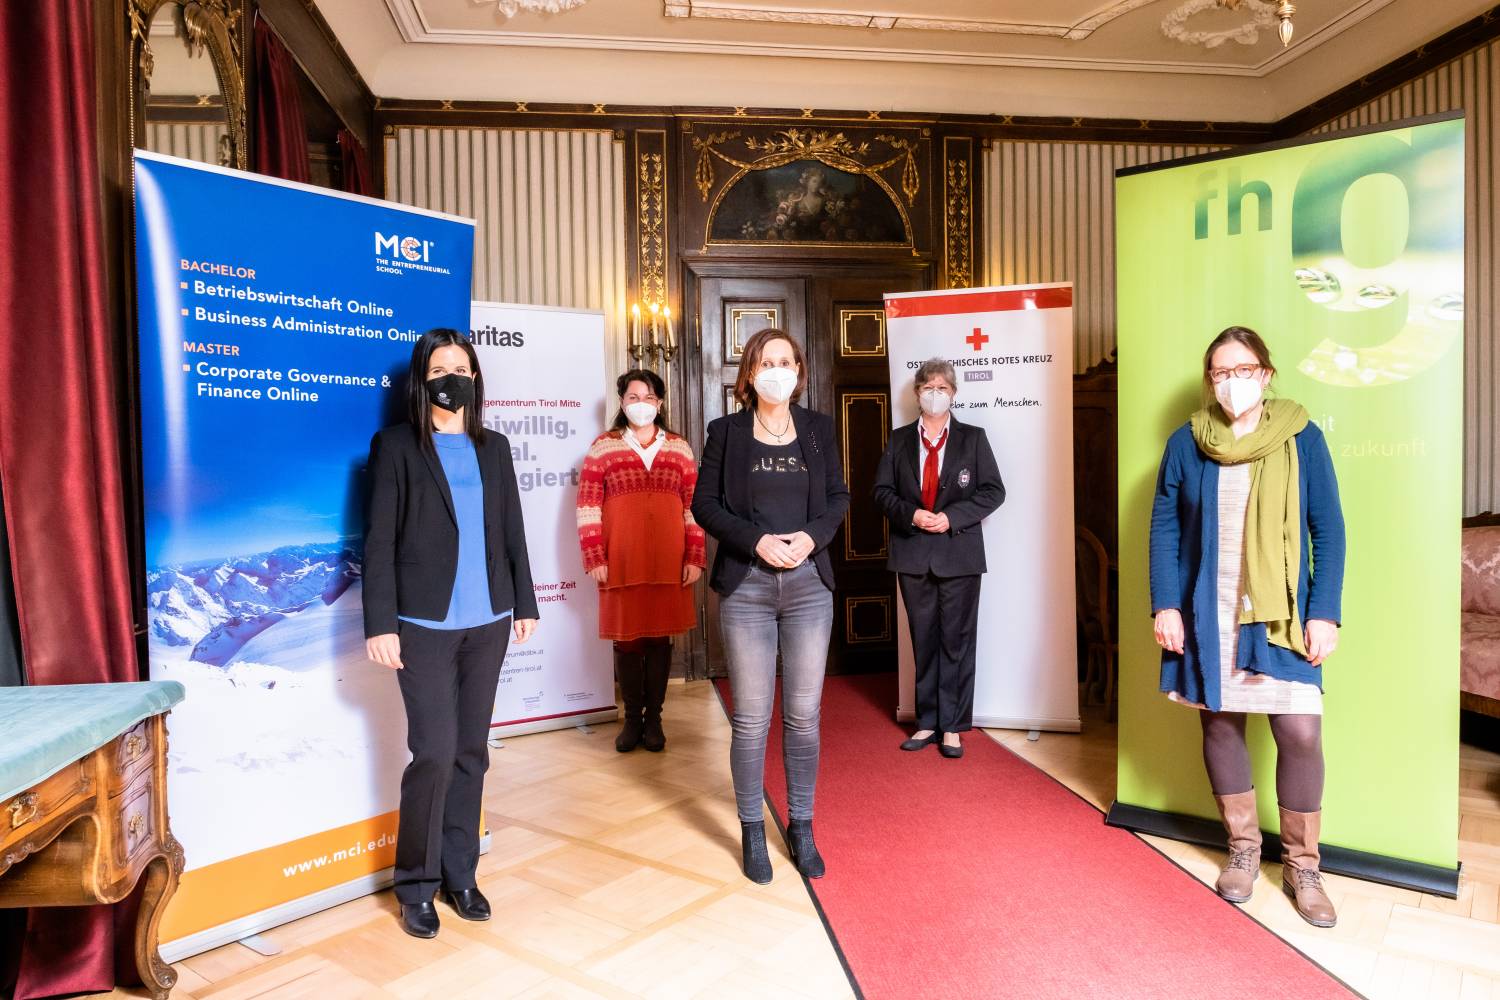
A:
x: 963, y: 479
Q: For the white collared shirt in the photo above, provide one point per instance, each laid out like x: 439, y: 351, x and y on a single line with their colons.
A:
x: 648, y: 452
x: 922, y: 448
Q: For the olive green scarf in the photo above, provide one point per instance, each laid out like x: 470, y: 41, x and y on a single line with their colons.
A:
x: 1273, y: 521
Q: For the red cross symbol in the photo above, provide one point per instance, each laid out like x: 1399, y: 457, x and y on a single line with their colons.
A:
x: 977, y: 338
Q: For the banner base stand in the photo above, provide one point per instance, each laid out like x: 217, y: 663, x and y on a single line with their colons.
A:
x: 261, y: 945
x: 250, y: 926
x: 1431, y: 879
x: 588, y: 717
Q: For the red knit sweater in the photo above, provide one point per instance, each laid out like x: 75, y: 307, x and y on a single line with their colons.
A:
x: 639, y: 523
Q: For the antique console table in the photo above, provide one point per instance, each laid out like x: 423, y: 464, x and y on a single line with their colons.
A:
x: 83, y: 803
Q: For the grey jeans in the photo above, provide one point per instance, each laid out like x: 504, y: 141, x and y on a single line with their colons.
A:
x: 791, y: 609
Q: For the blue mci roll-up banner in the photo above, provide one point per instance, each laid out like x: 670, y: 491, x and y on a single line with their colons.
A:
x: 276, y: 322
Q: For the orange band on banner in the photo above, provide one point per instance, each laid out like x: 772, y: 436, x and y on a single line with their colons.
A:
x: 237, y: 887
x: 959, y: 302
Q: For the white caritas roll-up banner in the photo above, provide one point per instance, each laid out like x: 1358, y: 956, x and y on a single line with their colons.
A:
x: 544, y: 390
x: 1012, y: 349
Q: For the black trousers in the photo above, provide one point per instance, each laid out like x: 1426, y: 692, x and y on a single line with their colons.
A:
x: 943, y: 613
x: 448, y: 681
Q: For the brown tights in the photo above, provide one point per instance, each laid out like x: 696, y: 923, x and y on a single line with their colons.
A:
x: 1299, y: 757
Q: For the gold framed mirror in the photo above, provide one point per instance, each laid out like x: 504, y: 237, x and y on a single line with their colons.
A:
x: 187, y: 92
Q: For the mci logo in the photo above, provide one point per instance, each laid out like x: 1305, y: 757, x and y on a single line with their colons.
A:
x: 408, y: 247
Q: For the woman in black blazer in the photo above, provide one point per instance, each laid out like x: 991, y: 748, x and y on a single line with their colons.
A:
x: 446, y: 583
x: 771, y: 490
x: 936, y: 482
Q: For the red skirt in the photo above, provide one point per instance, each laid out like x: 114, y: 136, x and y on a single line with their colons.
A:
x: 646, y: 610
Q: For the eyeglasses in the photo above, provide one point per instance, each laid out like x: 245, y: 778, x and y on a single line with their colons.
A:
x: 1217, y: 375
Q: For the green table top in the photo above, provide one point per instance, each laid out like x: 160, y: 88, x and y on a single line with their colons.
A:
x: 45, y: 728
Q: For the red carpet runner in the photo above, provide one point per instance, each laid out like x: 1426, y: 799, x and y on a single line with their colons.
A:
x: 983, y: 877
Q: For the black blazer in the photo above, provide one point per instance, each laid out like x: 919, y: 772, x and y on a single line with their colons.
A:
x: 723, y: 506
x: 969, y: 489
x: 411, y: 544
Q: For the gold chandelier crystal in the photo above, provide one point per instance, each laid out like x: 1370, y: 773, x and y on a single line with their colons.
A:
x: 1284, y: 11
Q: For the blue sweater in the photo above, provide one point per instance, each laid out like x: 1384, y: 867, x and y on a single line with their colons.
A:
x: 470, y: 605
x: 1185, y: 565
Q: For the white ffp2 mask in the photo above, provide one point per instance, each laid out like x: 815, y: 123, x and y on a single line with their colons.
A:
x: 640, y: 414
x: 1238, y: 395
x: 775, y: 385
x: 934, y: 402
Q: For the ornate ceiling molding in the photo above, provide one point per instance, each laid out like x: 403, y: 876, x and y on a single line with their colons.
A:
x: 510, y: 8
x: 1261, y: 16
x: 741, y: 10
x: 416, y: 26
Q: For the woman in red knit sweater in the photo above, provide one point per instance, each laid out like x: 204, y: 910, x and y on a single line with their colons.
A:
x: 642, y: 546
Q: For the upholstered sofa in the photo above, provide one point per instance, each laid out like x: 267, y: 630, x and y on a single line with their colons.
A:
x: 1480, y: 651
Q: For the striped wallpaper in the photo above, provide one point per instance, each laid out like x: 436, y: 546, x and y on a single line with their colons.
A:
x: 189, y: 140
x: 550, y: 206
x: 1049, y: 215
x: 1470, y: 83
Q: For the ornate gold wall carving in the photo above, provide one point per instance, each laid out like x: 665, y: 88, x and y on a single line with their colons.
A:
x: 212, y: 26
x: 958, y: 212
x: 652, y: 282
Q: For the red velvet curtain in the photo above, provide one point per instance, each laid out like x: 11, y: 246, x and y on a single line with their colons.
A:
x: 280, y: 140
x: 356, y: 165
x: 59, y: 451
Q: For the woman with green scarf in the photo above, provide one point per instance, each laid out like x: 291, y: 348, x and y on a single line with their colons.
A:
x: 1247, y: 566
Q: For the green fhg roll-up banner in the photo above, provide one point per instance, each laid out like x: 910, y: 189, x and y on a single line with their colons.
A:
x: 1346, y: 255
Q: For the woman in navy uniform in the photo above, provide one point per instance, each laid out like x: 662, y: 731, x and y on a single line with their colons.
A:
x: 937, y: 481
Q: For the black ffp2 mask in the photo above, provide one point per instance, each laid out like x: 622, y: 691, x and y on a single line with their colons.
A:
x: 451, y: 392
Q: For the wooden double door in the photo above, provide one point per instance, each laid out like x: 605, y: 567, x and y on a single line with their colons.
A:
x: 836, y: 313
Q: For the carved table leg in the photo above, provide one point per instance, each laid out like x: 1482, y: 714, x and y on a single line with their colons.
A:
x: 160, y: 882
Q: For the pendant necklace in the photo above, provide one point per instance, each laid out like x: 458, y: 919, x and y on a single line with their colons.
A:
x: 768, y: 430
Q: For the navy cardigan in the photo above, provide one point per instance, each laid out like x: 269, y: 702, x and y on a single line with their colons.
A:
x: 1185, y: 565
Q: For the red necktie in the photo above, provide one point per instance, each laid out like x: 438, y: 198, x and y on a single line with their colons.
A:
x: 930, y: 470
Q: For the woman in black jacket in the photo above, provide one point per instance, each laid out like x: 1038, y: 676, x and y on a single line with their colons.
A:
x: 446, y: 583
x: 771, y: 490
x: 937, y: 481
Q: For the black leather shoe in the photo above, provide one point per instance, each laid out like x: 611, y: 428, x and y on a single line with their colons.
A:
x: 419, y: 919
x: 799, y: 838
x: 470, y: 904
x: 952, y: 753
x: 754, y: 858
x: 915, y: 744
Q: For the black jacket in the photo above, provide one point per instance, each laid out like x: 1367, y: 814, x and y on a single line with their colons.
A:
x: 723, y: 506
x: 969, y: 489
x: 411, y: 543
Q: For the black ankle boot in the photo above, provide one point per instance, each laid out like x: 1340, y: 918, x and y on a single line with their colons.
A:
x: 630, y: 668
x: 755, y: 859
x: 799, y: 838
x: 658, y: 672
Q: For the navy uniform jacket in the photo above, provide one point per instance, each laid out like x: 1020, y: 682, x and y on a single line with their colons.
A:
x: 969, y: 489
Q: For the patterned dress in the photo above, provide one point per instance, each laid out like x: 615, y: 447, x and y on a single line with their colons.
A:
x: 639, y: 523
x: 1245, y: 690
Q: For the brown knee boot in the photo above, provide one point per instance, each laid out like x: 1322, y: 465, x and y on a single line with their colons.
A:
x: 630, y: 668
x: 1299, y: 867
x: 1237, y: 880
x: 658, y: 673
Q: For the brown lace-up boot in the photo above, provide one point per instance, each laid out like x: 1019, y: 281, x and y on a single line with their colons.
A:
x: 1299, y: 867
x: 1237, y: 880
